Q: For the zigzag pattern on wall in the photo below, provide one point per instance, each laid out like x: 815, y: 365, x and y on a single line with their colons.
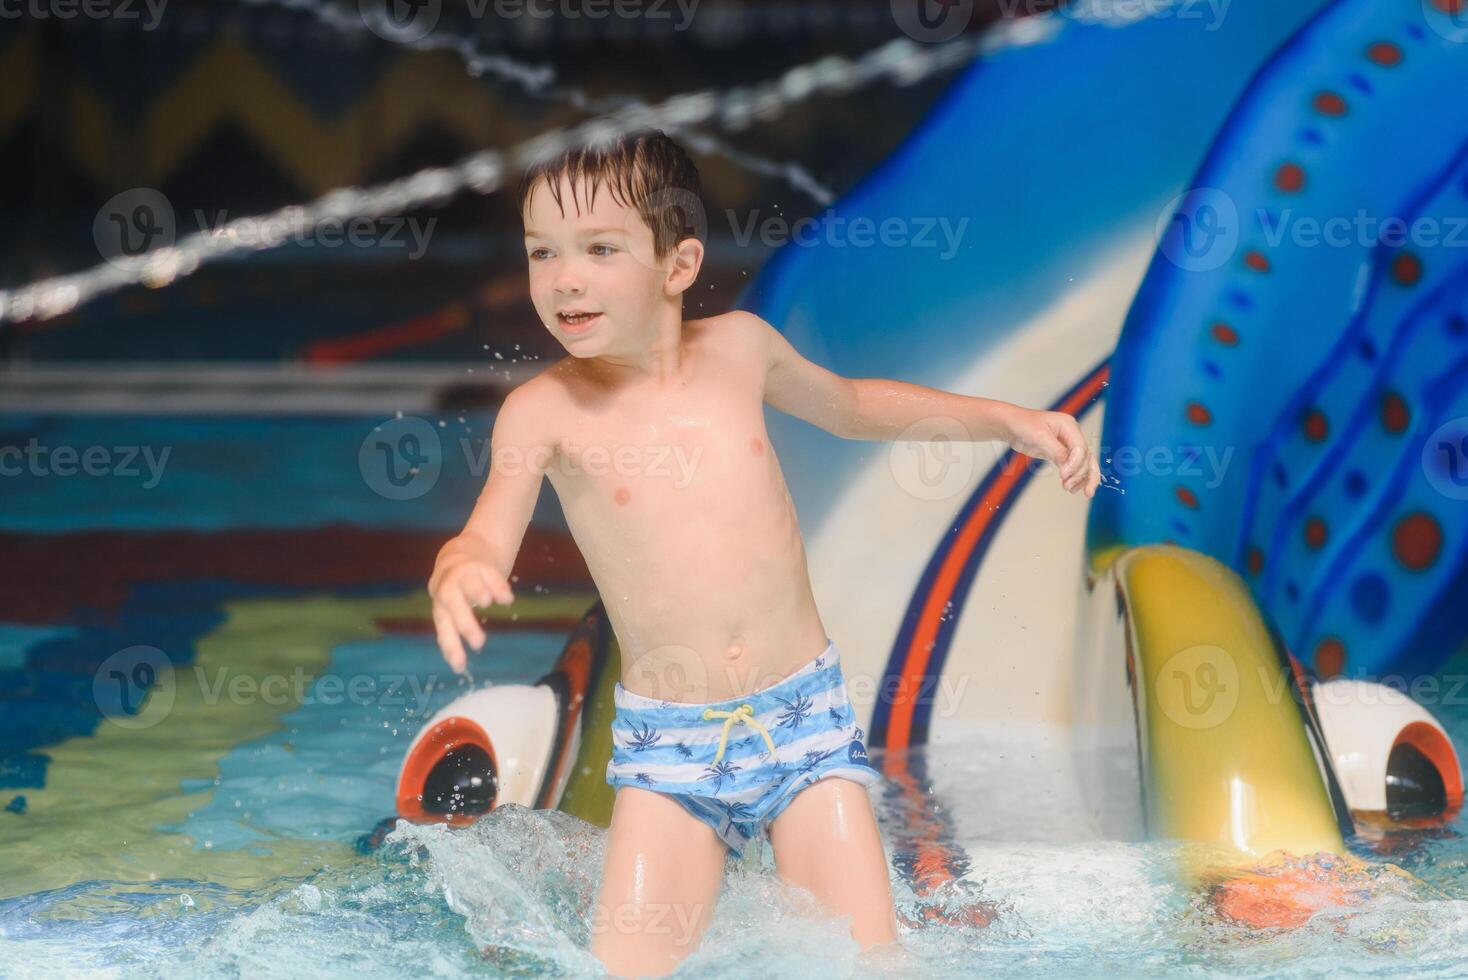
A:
x: 229, y: 84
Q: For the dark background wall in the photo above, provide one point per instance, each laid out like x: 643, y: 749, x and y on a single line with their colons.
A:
x: 228, y: 110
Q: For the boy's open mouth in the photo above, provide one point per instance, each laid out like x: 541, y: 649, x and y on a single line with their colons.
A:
x: 576, y: 321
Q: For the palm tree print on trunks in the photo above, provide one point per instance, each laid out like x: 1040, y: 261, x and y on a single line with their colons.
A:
x: 797, y: 710
x: 643, y: 738
x: 718, y: 772
x: 736, y: 812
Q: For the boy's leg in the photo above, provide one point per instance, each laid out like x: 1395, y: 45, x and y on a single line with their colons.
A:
x: 659, y: 885
x: 826, y: 842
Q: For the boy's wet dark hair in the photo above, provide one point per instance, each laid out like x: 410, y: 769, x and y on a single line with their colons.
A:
x: 647, y: 171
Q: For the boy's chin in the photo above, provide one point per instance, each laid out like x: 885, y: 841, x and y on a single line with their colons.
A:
x: 592, y: 344
x: 582, y: 349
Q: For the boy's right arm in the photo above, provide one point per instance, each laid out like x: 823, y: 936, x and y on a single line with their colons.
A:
x: 473, y: 569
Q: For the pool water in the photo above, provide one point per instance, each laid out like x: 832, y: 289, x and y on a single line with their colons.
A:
x: 226, y: 837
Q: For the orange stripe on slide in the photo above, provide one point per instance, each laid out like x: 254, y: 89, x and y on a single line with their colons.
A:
x: 993, y: 504
x: 914, y: 666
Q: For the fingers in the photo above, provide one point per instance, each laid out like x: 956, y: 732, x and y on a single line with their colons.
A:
x: 451, y: 609
x: 1056, y: 452
x: 475, y: 588
x: 1067, y: 433
x: 1073, y: 464
x: 1064, y: 457
x: 1079, y: 470
x: 1087, y: 475
x: 1073, y: 452
x: 462, y: 616
x: 448, y: 640
x: 456, y: 591
x: 496, y: 588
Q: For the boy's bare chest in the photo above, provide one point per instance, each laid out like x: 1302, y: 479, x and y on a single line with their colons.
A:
x: 665, y: 442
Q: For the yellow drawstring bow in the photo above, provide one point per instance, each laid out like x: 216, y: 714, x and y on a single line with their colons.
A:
x: 744, y: 713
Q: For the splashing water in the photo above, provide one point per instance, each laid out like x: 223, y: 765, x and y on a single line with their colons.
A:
x: 512, y: 896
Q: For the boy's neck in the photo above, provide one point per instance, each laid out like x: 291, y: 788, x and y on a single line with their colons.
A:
x: 660, y: 362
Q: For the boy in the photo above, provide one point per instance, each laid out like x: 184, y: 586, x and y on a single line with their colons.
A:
x: 701, y: 566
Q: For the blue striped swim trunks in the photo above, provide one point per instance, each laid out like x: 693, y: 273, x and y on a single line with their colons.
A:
x: 737, y: 764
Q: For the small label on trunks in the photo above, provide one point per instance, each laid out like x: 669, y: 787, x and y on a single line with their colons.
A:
x: 857, y: 753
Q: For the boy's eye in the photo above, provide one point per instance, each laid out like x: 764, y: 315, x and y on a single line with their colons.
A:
x: 604, y: 249
x: 539, y: 253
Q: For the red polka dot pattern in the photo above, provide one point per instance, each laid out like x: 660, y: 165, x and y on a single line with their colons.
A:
x: 1316, y: 426
x: 1385, y: 53
x: 1330, y: 657
x: 1407, y: 269
x: 1315, y: 533
x: 1394, y: 413
x: 1290, y: 178
x: 1330, y: 104
x: 1417, y: 541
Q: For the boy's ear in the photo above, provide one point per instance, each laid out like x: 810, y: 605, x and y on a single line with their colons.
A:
x: 687, y: 260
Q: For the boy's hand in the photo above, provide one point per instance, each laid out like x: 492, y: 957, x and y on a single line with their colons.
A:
x: 1056, y: 436
x: 461, y: 580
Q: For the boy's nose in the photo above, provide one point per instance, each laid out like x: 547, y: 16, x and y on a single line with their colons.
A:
x: 566, y: 281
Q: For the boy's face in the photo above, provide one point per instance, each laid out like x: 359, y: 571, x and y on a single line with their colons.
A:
x: 595, y: 261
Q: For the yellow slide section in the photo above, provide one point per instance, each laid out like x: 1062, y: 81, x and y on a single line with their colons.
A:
x: 1226, y: 757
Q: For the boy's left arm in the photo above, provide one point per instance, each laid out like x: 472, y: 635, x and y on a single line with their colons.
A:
x: 882, y: 408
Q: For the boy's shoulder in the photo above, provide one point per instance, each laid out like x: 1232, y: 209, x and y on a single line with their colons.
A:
x: 737, y: 331
x: 532, y: 403
x: 732, y: 323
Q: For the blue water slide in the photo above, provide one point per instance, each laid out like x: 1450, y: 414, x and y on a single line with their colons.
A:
x: 1043, y: 159
x: 1301, y: 335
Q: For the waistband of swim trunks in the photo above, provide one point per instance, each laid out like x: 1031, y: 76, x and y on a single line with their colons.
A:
x: 827, y: 659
